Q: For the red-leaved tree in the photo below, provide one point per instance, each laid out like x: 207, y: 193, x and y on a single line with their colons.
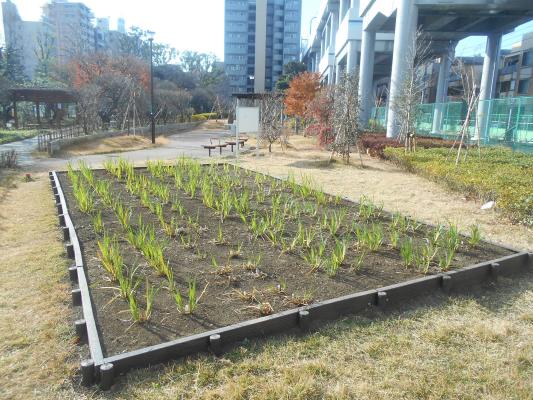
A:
x: 302, y: 91
x: 320, y: 112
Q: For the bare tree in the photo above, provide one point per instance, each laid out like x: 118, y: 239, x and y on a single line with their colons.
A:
x: 271, y: 118
x: 346, y: 110
x: 88, y: 107
x: 470, y: 97
x: 411, y: 91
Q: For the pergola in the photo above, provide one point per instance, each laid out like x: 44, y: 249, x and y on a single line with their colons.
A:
x: 38, y: 96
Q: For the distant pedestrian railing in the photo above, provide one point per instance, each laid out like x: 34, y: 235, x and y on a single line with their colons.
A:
x: 46, y: 136
x: 52, y: 141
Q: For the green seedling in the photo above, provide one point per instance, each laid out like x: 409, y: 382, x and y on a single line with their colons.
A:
x: 192, y: 298
x: 394, y: 237
x: 475, y: 235
x: 337, y: 257
x: 110, y: 256
x: 98, y: 224
x: 84, y: 197
x: 356, y: 266
x: 128, y: 282
x: 424, y: 256
x: 219, y: 240
x: 253, y: 263
x: 399, y: 222
x: 452, y: 239
x: 300, y: 300
x: 407, y: 252
x: 178, y: 207
x: 123, y: 214
x: 221, y: 269
x: 143, y: 315
x: 446, y: 259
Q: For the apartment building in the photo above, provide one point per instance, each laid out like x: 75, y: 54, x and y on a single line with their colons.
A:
x: 260, y: 37
x: 71, y: 26
x: 516, y: 75
x: 20, y: 35
x: 66, y: 27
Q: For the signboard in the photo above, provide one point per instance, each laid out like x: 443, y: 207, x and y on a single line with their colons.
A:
x: 247, y: 119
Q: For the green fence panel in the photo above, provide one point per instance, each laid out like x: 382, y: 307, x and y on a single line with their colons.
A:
x: 509, y: 121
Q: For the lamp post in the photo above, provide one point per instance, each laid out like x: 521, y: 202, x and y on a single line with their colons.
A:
x: 152, y: 116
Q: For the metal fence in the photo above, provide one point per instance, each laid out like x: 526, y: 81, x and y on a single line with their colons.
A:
x: 509, y: 121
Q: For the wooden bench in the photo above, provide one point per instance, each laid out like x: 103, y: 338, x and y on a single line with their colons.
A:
x: 209, y: 147
x: 220, y: 146
x: 231, y: 143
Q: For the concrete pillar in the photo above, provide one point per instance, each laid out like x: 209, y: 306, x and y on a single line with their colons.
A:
x: 15, y: 114
x: 442, y: 91
x: 366, y: 75
x: 38, y: 109
x: 489, y: 77
x: 352, y: 58
x: 338, y: 72
x: 342, y: 9
x: 334, y: 28
x: 406, y: 23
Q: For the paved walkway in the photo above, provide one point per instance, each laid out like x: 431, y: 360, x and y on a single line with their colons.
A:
x: 183, y: 143
x: 24, y: 149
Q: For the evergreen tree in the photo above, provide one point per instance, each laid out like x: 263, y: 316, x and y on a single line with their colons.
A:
x: 11, y: 68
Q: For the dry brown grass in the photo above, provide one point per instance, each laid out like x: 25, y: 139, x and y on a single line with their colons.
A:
x: 117, y: 144
x: 214, y: 124
x: 396, y: 189
x: 35, y: 334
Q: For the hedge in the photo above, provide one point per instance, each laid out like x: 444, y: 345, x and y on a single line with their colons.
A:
x: 500, y: 175
x: 204, y: 116
x: 375, y: 143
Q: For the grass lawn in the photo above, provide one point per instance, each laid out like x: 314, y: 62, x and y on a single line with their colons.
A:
x: 15, y: 135
x: 464, y: 347
x: 500, y: 175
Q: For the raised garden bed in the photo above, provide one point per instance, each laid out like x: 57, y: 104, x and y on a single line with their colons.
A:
x: 263, y: 255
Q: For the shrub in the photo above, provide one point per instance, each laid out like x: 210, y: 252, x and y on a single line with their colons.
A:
x: 8, y: 159
x: 500, y: 175
x: 375, y: 143
x: 198, y: 118
x: 204, y: 117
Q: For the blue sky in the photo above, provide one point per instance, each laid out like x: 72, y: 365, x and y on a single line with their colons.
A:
x: 199, y: 24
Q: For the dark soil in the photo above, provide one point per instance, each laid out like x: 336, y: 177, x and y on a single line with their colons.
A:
x: 221, y: 304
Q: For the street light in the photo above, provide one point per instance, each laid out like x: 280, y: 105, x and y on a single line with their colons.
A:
x: 311, y: 25
x: 152, y: 115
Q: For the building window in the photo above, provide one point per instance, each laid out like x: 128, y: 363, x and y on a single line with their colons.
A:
x: 505, y: 86
x: 523, y: 86
x: 527, y: 58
